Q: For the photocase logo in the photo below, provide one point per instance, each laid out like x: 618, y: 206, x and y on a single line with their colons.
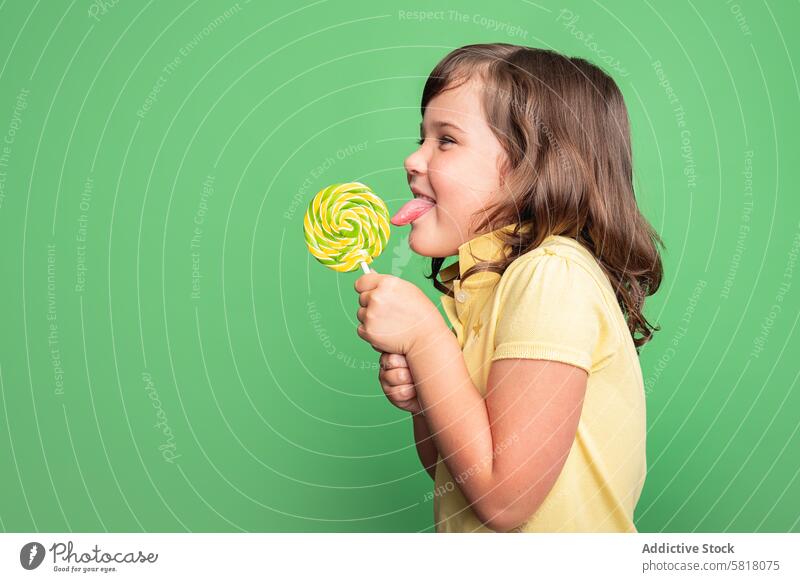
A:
x: 31, y: 555
x: 401, y: 257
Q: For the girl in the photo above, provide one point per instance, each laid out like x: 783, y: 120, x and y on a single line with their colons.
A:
x: 529, y: 413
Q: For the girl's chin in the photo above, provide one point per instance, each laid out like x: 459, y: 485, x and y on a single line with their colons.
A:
x: 416, y: 241
x: 423, y: 240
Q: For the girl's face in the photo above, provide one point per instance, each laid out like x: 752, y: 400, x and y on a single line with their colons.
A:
x: 457, y: 165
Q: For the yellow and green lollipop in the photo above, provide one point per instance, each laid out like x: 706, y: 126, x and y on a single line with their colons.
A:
x: 346, y: 226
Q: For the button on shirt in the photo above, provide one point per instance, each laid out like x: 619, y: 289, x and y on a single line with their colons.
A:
x: 554, y: 303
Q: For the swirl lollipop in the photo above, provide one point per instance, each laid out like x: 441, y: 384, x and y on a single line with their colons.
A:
x: 346, y: 225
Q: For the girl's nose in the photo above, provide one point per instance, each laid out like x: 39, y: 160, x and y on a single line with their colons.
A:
x: 416, y: 163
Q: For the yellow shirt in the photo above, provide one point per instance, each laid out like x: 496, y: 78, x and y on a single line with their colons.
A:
x: 554, y: 303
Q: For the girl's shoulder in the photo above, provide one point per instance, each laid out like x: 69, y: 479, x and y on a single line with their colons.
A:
x: 582, y: 269
x: 567, y: 249
x: 558, y: 294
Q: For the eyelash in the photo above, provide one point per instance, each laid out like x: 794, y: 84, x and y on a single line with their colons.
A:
x: 445, y: 139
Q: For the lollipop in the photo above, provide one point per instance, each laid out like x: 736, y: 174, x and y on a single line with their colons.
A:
x: 346, y: 225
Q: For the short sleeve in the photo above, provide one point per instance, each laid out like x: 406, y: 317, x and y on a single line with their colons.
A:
x: 552, y: 308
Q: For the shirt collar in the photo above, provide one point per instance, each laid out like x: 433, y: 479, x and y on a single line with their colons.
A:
x: 484, y: 247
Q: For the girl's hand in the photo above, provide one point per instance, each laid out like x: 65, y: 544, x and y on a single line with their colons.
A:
x: 394, y: 313
x: 397, y: 383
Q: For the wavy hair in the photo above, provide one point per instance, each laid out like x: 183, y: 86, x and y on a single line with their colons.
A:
x: 564, y: 126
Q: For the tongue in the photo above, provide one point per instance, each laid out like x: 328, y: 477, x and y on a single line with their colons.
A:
x: 412, y: 210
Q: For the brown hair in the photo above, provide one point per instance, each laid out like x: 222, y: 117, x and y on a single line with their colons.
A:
x: 568, y: 169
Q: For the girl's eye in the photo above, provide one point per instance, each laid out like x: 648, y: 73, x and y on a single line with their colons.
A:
x: 442, y: 140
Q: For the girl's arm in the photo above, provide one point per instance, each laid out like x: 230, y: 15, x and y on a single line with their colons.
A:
x: 426, y: 448
x: 504, y: 452
x: 398, y: 385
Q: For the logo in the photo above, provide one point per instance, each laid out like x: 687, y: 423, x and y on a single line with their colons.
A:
x: 31, y: 555
x: 401, y: 256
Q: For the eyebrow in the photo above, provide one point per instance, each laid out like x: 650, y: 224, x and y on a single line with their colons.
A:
x: 442, y: 124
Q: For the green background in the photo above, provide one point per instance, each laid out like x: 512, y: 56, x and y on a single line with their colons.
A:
x: 276, y: 417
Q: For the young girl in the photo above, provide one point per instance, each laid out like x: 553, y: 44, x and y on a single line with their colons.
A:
x: 529, y: 413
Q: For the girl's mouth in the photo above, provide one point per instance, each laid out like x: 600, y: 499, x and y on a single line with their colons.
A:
x: 412, y: 210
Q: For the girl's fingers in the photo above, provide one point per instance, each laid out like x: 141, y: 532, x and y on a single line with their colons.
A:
x: 401, y: 393
x: 397, y: 376
x: 390, y: 361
